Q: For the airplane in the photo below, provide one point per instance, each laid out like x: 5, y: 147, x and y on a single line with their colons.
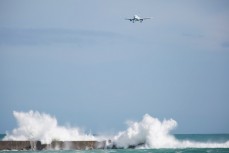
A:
x: 137, y: 18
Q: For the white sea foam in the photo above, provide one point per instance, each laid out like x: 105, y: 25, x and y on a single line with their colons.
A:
x: 149, y: 132
x: 40, y: 126
x: 152, y: 133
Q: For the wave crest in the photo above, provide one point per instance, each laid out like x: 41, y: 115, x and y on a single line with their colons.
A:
x: 150, y: 132
x: 40, y: 126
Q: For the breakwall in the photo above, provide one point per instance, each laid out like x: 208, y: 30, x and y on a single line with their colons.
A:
x: 55, y: 145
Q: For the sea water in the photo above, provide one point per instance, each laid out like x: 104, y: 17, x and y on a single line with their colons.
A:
x: 202, y: 138
x: 178, y: 150
x: 153, y: 135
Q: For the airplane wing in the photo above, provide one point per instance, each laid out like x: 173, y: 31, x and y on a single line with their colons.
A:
x: 145, y: 18
x: 129, y: 19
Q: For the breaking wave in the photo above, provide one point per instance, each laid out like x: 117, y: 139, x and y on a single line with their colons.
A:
x: 150, y: 132
x: 40, y: 126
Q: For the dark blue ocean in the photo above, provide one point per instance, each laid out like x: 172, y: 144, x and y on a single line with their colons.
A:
x: 197, y: 138
x: 216, y: 150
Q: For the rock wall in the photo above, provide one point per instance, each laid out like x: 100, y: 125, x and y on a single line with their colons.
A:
x: 55, y: 145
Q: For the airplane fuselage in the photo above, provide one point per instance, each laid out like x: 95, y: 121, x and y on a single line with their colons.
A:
x: 137, y: 18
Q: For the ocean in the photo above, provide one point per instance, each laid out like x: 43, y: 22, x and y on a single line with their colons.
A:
x: 149, y: 135
x: 198, y: 138
x: 130, y: 151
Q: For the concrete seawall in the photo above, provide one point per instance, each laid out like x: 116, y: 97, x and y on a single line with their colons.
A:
x: 55, y: 145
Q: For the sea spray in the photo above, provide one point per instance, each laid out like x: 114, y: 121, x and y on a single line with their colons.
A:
x: 34, y: 126
x: 150, y: 132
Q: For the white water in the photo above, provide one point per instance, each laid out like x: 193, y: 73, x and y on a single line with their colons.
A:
x: 40, y: 126
x: 156, y: 134
x: 150, y: 132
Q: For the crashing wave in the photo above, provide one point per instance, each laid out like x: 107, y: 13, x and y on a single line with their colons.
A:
x: 150, y: 132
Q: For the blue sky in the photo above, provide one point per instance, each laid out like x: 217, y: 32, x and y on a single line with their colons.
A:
x: 83, y: 63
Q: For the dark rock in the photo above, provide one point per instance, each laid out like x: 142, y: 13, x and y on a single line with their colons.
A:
x: 55, y: 145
